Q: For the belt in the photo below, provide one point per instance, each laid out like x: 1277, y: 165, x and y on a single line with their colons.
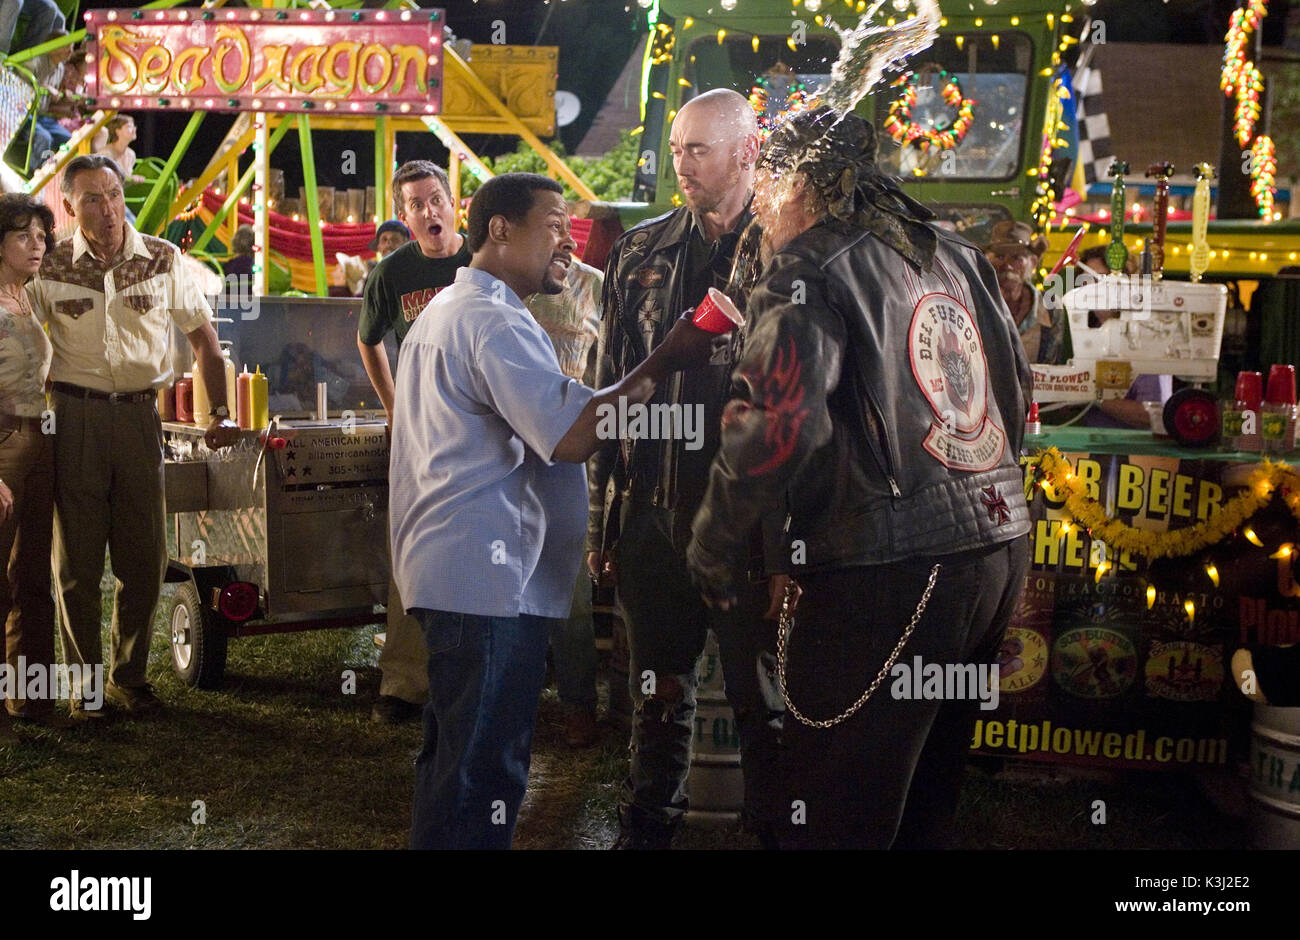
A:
x: 129, y: 398
x: 15, y: 423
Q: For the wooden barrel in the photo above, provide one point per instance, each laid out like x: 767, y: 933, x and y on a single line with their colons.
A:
x: 715, y: 784
x: 1275, y: 778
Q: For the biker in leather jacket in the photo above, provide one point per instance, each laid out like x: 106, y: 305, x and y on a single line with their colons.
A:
x: 644, y: 292
x: 881, y: 405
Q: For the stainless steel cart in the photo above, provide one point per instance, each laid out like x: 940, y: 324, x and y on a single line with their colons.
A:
x: 286, y: 530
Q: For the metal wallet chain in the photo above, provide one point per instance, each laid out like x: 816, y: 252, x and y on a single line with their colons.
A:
x: 783, y: 636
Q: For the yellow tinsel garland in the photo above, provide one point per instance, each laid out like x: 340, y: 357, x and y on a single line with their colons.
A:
x: 1266, y: 478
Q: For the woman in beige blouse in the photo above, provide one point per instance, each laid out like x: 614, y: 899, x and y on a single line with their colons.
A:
x: 26, y: 461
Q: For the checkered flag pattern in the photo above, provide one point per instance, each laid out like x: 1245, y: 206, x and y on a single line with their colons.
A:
x: 1095, y: 149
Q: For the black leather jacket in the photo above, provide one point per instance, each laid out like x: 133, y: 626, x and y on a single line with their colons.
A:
x: 883, y: 408
x: 644, y: 293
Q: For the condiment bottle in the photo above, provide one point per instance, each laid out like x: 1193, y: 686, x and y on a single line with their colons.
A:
x: 1277, y: 415
x: 166, y: 403
x: 260, y: 395
x: 1032, y: 424
x: 201, y: 404
x: 185, y: 398
x: 232, y: 379
x: 244, y: 399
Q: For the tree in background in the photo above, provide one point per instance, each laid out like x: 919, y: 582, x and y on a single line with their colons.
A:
x: 610, y: 177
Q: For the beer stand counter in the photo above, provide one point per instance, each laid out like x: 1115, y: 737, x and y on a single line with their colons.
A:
x: 1113, y: 659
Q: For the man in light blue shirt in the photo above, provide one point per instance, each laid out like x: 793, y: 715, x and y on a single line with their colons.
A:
x: 488, y: 503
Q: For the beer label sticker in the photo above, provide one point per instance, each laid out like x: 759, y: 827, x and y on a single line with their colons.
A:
x: 1022, y: 659
x: 1184, y: 672
x: 1094, y: 662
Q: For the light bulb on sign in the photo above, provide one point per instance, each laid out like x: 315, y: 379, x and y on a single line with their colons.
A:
x: 812, y: 6
x: 728, y: 5
x: 644, y: 4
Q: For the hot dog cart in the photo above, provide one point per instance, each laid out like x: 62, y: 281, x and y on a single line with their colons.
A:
x: 287, y: 529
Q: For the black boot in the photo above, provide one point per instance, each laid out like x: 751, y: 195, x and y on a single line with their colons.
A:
x: 639, y: 830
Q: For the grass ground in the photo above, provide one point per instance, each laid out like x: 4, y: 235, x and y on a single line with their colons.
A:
x: 282, y: 757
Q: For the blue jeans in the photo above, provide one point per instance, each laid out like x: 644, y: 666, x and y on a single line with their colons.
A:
x: 57, y: 133
x: 485, y: 677
x: 573, y: 648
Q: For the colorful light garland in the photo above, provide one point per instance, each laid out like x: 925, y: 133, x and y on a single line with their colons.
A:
x: 900, y: 125
x: 1250, y: 86
x: 1240, y: 78
x: 1263, y: 177
x: 1242, y: 25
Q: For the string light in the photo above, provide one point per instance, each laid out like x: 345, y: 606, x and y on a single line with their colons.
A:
x: 1263, y: 174
x: 1213, y: 572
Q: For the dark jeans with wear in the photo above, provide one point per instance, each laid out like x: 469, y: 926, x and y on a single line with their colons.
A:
x: 667, y: 623
x: 892, y: 773
x: 485, y: 678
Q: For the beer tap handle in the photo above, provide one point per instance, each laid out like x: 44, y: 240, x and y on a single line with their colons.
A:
x: 1117, y: 251
x: 1200, y: 254
x: 1161, y: 172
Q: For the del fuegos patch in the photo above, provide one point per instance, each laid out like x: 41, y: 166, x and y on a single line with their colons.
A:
x: 947, y: 358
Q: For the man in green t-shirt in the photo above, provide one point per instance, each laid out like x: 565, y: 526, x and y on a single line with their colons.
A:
x: 401, y: 285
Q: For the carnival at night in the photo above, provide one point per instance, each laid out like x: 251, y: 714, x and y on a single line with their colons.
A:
x: 651, y: 425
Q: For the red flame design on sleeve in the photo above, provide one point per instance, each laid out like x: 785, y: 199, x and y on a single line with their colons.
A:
x: 781, y: 391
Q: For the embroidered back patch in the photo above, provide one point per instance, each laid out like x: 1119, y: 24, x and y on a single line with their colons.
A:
x: 947, y: 358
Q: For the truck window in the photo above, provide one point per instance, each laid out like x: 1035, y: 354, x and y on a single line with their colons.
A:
x: 990, y: 69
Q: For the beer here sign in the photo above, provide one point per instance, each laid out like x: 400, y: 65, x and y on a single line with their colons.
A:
x: 332, y: 61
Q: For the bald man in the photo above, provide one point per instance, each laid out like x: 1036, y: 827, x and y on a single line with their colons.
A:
x: 638, y: 535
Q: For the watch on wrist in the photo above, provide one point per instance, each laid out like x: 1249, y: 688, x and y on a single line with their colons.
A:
x: 221, y: 411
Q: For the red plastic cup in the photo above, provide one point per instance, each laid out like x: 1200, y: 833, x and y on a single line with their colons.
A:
x: 1281, y: 385
x: 717, y: 314
x: 1250, y: 389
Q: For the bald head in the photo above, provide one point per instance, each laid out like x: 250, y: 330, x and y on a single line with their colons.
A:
x: 728, y: 112
x: 714, y: 145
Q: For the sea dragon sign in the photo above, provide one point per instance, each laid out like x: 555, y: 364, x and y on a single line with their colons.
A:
x: 266, y: 60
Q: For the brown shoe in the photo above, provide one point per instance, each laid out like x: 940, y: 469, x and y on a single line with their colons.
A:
x: 78, y: 712
x: 135, y: 700
x: 580, y: 727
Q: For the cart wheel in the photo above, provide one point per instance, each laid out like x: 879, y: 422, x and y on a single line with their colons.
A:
x: 198, y: 642
x: 1192, y: 417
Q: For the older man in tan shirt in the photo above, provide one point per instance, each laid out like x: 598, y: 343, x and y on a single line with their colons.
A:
x: 109, y: 297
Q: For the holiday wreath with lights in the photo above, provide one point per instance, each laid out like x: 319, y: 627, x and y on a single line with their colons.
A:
x: 903, y: 128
